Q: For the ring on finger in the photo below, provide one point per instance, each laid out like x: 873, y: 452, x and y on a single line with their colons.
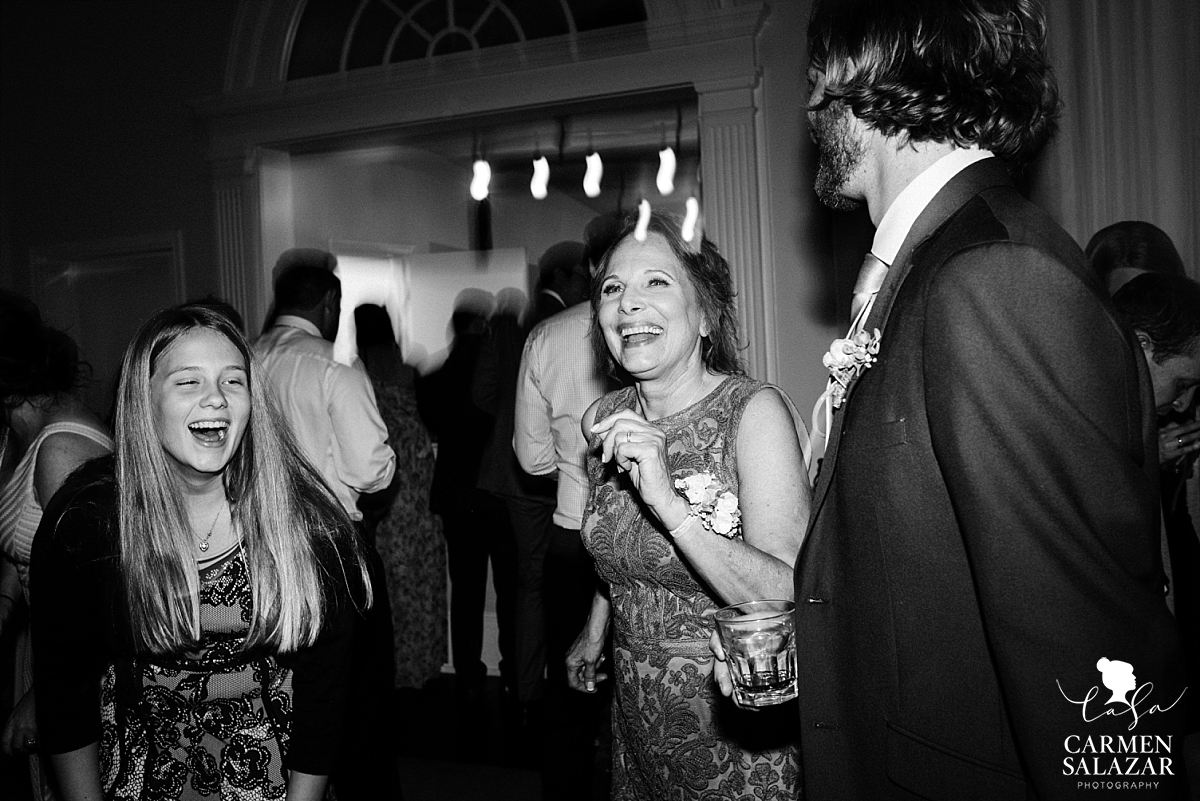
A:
x: 1179, y: 442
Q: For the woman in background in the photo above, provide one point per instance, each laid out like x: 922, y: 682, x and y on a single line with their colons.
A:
x: 408, y: 535
x: 664, y: 316
x: 204, y: 580
x: 48, y: 432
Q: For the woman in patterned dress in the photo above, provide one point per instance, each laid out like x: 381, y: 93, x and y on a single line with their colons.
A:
x: 197, y: 591
x: 408, y: 535
x: 664, y: 314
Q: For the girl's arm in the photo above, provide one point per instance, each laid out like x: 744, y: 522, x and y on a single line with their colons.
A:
x: 78, y: 774
x: 305, y: 786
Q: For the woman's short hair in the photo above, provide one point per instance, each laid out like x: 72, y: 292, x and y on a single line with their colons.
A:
x: 1166, y: 308
x: 35, y: 360
x: 971, y: 72
x: 710, y: 277
x: 1135, y: 245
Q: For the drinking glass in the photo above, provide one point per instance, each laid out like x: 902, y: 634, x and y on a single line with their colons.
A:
x: 759, y: 638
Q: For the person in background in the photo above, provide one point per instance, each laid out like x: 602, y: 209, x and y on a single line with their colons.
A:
x: 330, y: 406
x: 475, y: 523
x: 1118, y: 253
x: 530, y: 499
x: 1163, y: 309
x: 333, y: 415
x: 1124, y: 249
x: 985, y: 521
x: 48, y: 432
x: 196, y: 593
x: 407, y: 535
x: 664, y: 317
x: 558, y: 378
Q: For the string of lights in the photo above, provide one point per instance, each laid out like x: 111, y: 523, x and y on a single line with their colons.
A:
x: 538, y: 187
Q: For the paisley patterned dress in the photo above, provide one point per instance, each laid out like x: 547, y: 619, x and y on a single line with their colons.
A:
x: 674, y: 735
x: 410, y: 542
x: 212, y: 725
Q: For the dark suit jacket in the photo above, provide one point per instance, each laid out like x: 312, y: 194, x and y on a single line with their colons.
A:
x: 460, y: 427
x: 985, y: 525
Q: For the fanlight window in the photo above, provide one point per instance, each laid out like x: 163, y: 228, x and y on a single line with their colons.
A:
x: 338, y: 35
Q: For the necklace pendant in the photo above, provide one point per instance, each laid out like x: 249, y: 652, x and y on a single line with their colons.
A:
x: 203, y: 546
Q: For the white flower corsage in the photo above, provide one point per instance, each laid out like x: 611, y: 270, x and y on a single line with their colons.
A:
x: 716, y: 508
x: 847, y: 359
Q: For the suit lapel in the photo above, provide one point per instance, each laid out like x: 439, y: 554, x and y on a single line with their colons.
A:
x: 953, y: 196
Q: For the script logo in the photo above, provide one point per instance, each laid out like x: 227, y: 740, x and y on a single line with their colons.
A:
x: 1106, y: 761
x: 1118, y: 677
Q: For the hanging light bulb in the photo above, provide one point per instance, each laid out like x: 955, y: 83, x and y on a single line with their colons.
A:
x: 591, y: 179
x: 479, y: 183
x: 666, y: 171
x: 541, y: 176
x: 688, y: 231
x: 643, y: 223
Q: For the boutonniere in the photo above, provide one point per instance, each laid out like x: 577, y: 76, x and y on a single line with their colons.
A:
x: 847, y: 359
x: 715, y: 507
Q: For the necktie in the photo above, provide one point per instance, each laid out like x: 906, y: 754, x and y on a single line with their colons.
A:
x: 870, y: 278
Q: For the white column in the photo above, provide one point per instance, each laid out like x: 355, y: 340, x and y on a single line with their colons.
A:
x: 235, y: 194
x: 730, y: 202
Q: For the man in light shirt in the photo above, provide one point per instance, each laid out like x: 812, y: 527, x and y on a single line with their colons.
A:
x: 330, y: 406
x: 332, y: 412
x: 984, y: 527
x: 559, y: 379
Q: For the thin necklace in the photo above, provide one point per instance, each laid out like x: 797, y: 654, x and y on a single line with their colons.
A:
x: 203, y: 541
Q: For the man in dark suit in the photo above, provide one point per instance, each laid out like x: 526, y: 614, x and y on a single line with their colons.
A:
x: 982, y: 569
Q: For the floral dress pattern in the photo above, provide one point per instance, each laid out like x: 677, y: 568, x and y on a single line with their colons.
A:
x: 410, y: 543
x: 212, y: 725
x: 674, y: 735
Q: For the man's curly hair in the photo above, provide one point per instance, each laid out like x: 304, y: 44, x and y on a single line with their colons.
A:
x: 971, y: 72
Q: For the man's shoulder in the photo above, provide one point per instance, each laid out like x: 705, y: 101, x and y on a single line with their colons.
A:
x: 999, y: 218
x: 565, y: 323
x: 570, y: 328
x: 283, y: 341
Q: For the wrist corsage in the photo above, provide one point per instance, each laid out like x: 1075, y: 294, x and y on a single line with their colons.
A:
x: 847, y: 359
x: 716, y: 508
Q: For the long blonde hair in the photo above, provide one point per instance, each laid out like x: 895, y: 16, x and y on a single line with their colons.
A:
x: 294, y: 530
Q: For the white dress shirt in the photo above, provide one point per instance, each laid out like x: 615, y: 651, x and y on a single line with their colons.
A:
x: 907, y: 207
x: 331, y: 408
x: 559, y: 379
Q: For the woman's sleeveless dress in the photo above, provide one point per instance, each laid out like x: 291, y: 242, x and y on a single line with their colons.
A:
x: 674, y: 735
x: 20, y: 514
x: 410, y: 543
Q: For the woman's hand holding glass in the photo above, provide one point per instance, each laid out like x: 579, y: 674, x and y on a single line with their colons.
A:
x: 721, y: 668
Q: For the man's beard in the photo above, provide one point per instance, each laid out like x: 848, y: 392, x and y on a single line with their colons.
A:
x: 840, y: 154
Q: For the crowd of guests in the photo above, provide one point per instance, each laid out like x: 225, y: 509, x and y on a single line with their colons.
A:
x: 225, y: 592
